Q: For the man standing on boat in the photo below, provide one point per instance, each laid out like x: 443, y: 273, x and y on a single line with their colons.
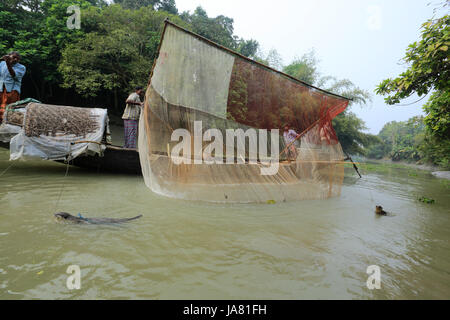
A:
x: 289, y: 138
x: 131, y: 117
x: 11, y: 74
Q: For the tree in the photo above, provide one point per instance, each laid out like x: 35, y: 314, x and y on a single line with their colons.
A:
x: 163, y: 5
x: 428, y: 71
x: 247, y: 48
x: 37, y: 29
x: 168, y: 6
x: 31, y: 5
x: 349, y: 128
x: 410, y: 141
x: 304, y: 68
x: 400, y: 140
x: 118, y: 52
x: 220, y: 30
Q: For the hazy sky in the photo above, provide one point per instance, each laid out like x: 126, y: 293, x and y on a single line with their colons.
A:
x: 361, y: 40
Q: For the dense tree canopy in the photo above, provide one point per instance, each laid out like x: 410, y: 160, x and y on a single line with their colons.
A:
x: 399, y: 140
x: 220, y: 30
x: 304, y: 68
x: 116, y: 52
x: 428, y: 72
x: 410, y: 141
x: 112, y: 52
x: 162, y: 5
x: 117, y: 43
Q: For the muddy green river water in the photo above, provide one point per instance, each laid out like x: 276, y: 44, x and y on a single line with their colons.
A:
x: 195, y: 250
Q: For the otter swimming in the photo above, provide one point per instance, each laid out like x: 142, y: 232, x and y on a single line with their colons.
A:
x: 80, y: 219
x: 379, y: 210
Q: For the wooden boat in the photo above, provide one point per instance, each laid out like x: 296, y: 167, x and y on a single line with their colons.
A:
x: 115, y: 160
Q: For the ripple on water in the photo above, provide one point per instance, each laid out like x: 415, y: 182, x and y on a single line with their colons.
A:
x: 183, y: 249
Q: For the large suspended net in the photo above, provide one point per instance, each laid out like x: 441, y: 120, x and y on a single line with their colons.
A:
x: 213, y: 128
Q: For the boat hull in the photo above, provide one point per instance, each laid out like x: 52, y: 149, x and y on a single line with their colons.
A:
x: 114, y: 160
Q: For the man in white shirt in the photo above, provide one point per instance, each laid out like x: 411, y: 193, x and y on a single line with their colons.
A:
x: 289, y: 136
x: 131, y: 116
x: 11, y: 74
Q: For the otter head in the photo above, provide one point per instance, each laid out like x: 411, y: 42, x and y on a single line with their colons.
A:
x: 378, y: 209
x: 63, y: 215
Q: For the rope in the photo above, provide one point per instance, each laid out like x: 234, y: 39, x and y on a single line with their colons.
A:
x: 64, y: 178
x: 62, y: 188
x: 300, y: 135
x: 408, y: 104
x: 87, y: 141
x: 4, y: 171
x: 354, y: 165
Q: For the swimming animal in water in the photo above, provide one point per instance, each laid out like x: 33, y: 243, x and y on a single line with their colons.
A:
x: 379, y: 210
x: 80, y: 219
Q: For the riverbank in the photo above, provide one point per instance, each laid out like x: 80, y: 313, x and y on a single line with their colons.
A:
x: 434, y: 170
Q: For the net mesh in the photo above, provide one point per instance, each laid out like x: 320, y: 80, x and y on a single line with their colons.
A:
x: 14, y: 117
x: 207, y: 108
x: 50, y: 120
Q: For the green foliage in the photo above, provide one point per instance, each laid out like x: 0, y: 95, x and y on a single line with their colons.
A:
x: 304, y: 68
x: 39, y: 34
x: 437, y: 110
x: 220, y: 30
x: 429, y: 70
x: 160, y: 5
x: 112, y: 52
x: 117, y: 54
x: 429, y: 66
x: 55, y: 36
x: 426, y: 200
x: 247, y: 48
x: 119, y: 45
x: 411, y: 141
x: 30, y: 5
x: 399, y: 140
x: 435, y: 150
x: 349, y: 128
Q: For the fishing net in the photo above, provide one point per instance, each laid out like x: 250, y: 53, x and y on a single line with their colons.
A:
x: 15, y: 112
x: 208, y: 128
x: 57, y: 132
x: 52, y: 120
x: 14, y: 117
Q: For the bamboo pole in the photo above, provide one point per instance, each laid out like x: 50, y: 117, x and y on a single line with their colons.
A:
x: 300, y: 135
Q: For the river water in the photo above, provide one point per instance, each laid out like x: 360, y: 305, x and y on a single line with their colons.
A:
x: 195, y: 250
